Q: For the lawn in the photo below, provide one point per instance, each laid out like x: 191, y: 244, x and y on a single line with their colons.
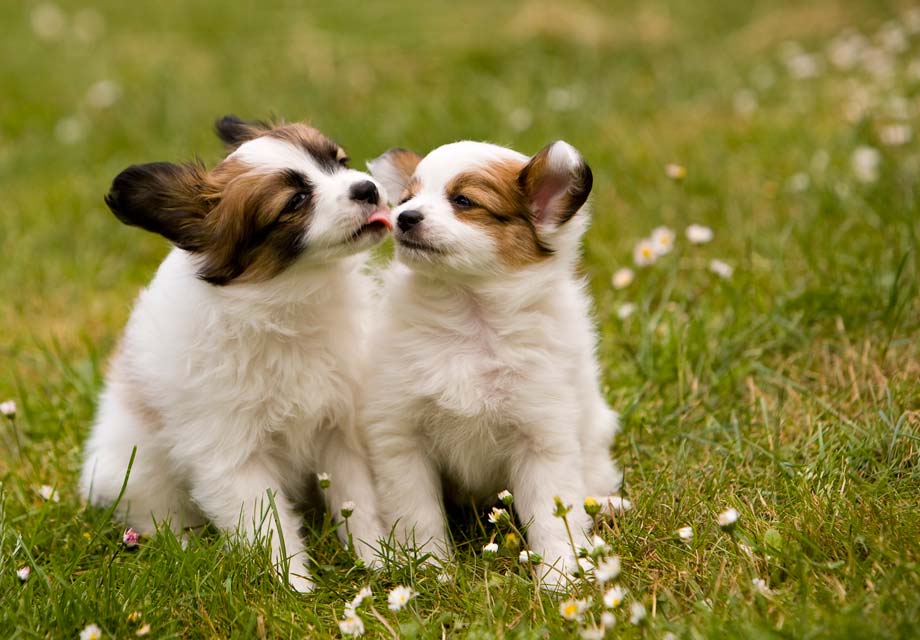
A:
x: 788, y: 389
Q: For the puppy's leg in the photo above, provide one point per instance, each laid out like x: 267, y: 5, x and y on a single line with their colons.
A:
x: 602, y: 477
x: 351, y: 480
x: 538, y: 477
x: 154, y: 493
x: 410, y: 491
x: 236, y: 500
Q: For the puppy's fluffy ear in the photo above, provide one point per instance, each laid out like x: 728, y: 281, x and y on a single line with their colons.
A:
x: 394, y: 169
x: 235, y: 131
x: 556, y: 183
x: 164, y: 198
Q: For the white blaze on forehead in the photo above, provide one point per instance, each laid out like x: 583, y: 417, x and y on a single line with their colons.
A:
x: 445, y: 162
x: 272, y: 153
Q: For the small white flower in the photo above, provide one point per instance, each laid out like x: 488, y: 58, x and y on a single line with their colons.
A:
x: 865, y: 163
x: 669, y: 636
x: 348, y: 508
x: 572, y: 609
x: 325, y: 480
x: 490, y: 550
x: 351, y: 624
x: 622, y: 278
x: 662, y: 240
x: 506, y: 497
x: 360, y: 597
x: 70, y: 130
x: 895, y: 135
x: 803, y: 66
x: 636, y: 613
x: 644, y: 253
x: 799, y: 182
x: 614, y: 597
x: 49, y: 493
x: 103, y: 94
x: 728, y: 518
x: 561, y: 99
x: 91, y: 632
x: 520, y: 119
x: 399, y: 597
x: 845, y: 50
x: 498, y: 515
x: 607, y: 569
x: 675, y: 171
x: 698, y: 234
x: 599, y: 546
x: 685, y: 533
x: 745, y: 102
x: 48, y: 21
x: 8, y: 408
x: 445, y: 578
x: 608, y: 620
x: 760, y: 585
x: 528, y: 557
x: 23, y: 573
x: 142, y: 630
x: 625, y: 310
x: 721, y: 268
x: 592, y: 633
x: 892, y: 37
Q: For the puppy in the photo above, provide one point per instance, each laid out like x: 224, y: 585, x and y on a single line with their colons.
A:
x: 240, y: 369
x: 485, y: 374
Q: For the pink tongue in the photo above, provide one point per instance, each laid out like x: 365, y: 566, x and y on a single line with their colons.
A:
x: 381, y: 215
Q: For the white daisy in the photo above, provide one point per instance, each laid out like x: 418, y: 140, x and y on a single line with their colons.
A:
x: 142, y: 630
x: 360, y: 597
x: 520, y: 119
x: 399, y: 597
x: 675, y: 171
x: 636, y: 613
x: 103, y: 94
x: 614, y: 597
x: 498, y: 515
x: 685, y: 533
x: 644, y: 253
x: 728, y: 518
x: 348, y: 508
x: 625, y: 310
x: 48, y: 21
x: 865, y: 163
x: 721, y: 268
x: 490, y: 550
x: 49, y: 493
x: 599, y: 546
x: 506, y: 497
x: 91, y: 632
x: 607, y: 569
x: 23, y: 573
x: 895, y: 135
x: 608, y: 620
x: 698, y: 234
x: 745, y: 102
x: 622, y: 278
x: 572, y: 609
x: 662, y: 240
x: 325, y: 480
x: 760, y: 585
x: 592, y: 632
x: 528, y: 557
x: 8, y: 408
x: 351, y: 624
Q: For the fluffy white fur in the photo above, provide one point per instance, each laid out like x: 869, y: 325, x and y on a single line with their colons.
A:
x: 485, y: 376
x: 232, y: 392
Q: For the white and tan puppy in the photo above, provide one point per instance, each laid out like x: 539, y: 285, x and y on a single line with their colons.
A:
x: 240, y: 370
x: 485, y: 376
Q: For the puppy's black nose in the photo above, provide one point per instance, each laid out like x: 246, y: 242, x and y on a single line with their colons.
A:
x: 408, y: 219
x: 364, y: 192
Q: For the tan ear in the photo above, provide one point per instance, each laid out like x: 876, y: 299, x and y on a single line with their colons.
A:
x: 164, y: 198
x: 556, y: 183
x: 234, y: 131
x: 394, y: 169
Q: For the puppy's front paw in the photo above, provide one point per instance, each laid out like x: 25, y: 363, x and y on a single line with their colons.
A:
x: 613, y: 505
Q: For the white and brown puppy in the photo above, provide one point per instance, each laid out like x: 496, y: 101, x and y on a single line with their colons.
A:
x: 240, y: 370
x: 485, y: 375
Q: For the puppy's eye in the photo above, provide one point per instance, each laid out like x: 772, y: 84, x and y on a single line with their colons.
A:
x: 462, y: 201
x: 343, y: 162
x: 297, y: 201
x: 404, y: 200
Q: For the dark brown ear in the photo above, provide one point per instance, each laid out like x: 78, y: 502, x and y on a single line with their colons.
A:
x: 556, y: 183
x: 164, y: 198
x: 394, y: 169
x: 235, y: 131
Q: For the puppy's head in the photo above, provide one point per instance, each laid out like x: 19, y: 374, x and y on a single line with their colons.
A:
x: 283, y: 194
x: 480, y: 209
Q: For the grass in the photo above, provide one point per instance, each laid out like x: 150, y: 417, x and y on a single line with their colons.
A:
x: 788, y: 391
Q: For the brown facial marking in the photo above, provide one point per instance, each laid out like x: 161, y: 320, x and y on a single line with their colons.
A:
x: 500, y: 207
x: 236, y: 219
